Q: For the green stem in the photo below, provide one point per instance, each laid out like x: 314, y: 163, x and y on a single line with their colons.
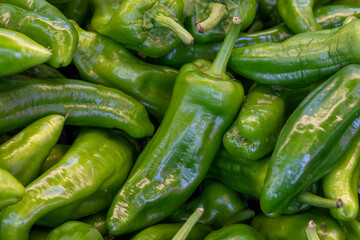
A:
x: 189, y: 6
x: 217, y: 14
x: 167, y: 22
x: 311, y: 231
x: 218, y: 67
x: 188, y: 225
x: 240, y: 216
x: 317, y: 201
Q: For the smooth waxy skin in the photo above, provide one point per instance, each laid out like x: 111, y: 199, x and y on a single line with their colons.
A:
x: 96, y: 165
x: 18, y: 52
x: 75, y: 230
x: 43, y: 23
x: 24, y: 154
x: 313, y: 139
x: 11, y: 190
x: 342, y: 183
x: 298, y: 15
x: 334, y: 15
x: 103, y: 61
x: 235, y: 232
x: 168, y: 231
x: 300, y: 60
x: 57, y: 152
x: 293, y: 227
x: 103, y: 12
x: 23, y: 101
x: 97, y: 221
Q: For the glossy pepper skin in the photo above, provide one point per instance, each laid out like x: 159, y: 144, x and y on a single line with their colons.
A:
x: 215, y: 18
x: 235, y: 232
x: 97, y: 221
x: 300, y: 60
x: 150, y: 27
x: 103, y: 12
x: 24, y: 154
x: 75, y: 230
x: 18, y: 52
x: 43, y: 23
x: 95, y: 166
x: 298, y: 15
x: 34, y: 98
x: 39, y: 71
x: 56, y: 153
x: 342, y: 182
x: 313, y: 140
x: 167, y: 231
x: 293, y: 227
x: 11, y: 190
x: 221, y: 205
x: 332, y: 16
x: 203, y: 105
x: 103, y: 61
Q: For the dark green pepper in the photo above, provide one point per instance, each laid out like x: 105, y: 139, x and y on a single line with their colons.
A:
x: 18, y: 52
x: 300, y: 60
x: 23, y: 101
x: 97, y: 221
x: 25, y: 153
x: 82, y: 183
x: 313, y: 140
x: 39, y: 71
x: 268, y: 12
x: 346, y: 2
x: 57, y: 152
x: 43, y: 23
x: 204, y: 103
x: 77, y: 10
x: 293, y: 227
x: 11, y: 190
x: 235, y: 232
x: 74, y: 230
x: 334, y: 15
x: 103, y: 61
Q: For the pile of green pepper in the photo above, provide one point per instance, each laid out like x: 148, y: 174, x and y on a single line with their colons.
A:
x: 179, y: 119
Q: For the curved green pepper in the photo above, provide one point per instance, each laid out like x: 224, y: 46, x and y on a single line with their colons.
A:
x: 25, y: 153
x: 75, y: 230
x: 57, y: 152
x: 298, y: 15
x: 334, y: 15
x: 235, y: 232
x: 342, y: 182
x: 23, y: 101
x: 39, y: 71
x: 101, y: 60
x: 300, y: 60
x: 211, y: 20
x: 43, y: 23
x: 313, y: 140
x: 150, y: 27
x: 18, y: 52
x: 94, y: 167
x: 203, y: 105
x: 97, y: 221
x: 293, y: 227
x: 11, y: 190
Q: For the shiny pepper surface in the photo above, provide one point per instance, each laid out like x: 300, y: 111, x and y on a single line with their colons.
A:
x: 74, y: 230
x: 203, y: 105
x: 235, y: 232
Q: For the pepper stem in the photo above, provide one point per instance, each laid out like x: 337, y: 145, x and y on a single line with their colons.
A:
x: 189, y: 6
x: 167, y: 22
x: 317, y: 201
x: 311, y: 231
x: 218, y: 67
x: 188, y: 225
x: 217, y: 14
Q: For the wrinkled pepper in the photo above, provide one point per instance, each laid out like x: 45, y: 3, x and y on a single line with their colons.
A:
x: 334, y: 15
x: 75, y: 230
x: 82, y: 183
x: 313, y: 139
x: 300, y: 60
x: 23, y: 101
x: 103, y: 61
x: 235, y: 232
x: 204, y: 103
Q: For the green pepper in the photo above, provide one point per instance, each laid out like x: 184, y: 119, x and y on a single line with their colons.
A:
x: 77, y: 10
x: 24, y: 154
x: 293, y: 227
x: 235, y: 232
x: 57, y: 152
x: 84, y: 180
x: 39, y: 233
x: 18, y: 52
x: 334, y: 15
x: 150, y: 27
x: 103, y: 12
x: 203, y: 105
x: 11, y: 190
x: 39, y: 71
x: 101, y: 60
x: 300, y: 60
x: 211, y: 20
x: 221, y: 206
x: 313, y: 140
x: 346, y: 2
x: 23, y: 101
x: 342, y: 182
x: 75, y: 230
x: 97, y: 221
x: 268, y: 12
x: 298, y: 15
x: 43, y: 23
x: 351, y: 229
